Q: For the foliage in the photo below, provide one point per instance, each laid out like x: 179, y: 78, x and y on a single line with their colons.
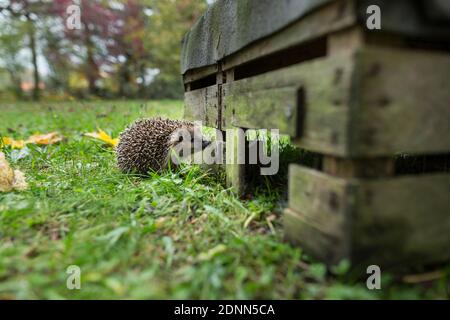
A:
x: 168, y: 24
x: 118, y: 48
x: 12, y: 39
x: 172, y: 235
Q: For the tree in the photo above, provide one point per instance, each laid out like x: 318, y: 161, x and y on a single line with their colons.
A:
x: 11, y: 42
x: 129, y: 47
x: 109, y: 40
x: 28, y: 11
x: 168, y: 24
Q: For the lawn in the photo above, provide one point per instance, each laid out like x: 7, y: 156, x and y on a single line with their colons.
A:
x: 175, y: 235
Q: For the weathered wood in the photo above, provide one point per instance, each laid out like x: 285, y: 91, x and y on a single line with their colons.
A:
x: 401, y: 102
x: 412, y: 19
x: 272, y: 101
x: 350, y: 39
x: 202, y: 105
x: 403, y: 220
x: 352, y: 102
x: 229, y: 26
x: 200, y: 73
x: 392, y: 222
x: 236, y: 149
x: 320, y: 208
x: 334, y: 16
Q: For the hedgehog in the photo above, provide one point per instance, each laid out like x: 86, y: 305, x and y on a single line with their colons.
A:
x: 148, y: 144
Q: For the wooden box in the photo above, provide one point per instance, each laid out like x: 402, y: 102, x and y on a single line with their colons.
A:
x: 372, y: 105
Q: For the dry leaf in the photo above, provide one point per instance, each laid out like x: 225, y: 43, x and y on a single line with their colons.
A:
x: 10, y: 179
x: 6, y: 174
x: 103, y: 136
x: 45, y: 139
x: 39, y: 139
x: 19, y: 183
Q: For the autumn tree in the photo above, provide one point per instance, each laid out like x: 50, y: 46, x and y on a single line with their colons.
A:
x: 129, y: 47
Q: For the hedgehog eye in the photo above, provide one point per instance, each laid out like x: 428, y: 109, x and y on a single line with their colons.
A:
x: 180, y: 139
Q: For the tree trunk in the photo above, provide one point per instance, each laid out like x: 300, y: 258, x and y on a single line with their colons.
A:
x: 126, y: 79
x: 91, y: 68
x: 16, y: 84
x: 36, y: 77
x: 91, y: 71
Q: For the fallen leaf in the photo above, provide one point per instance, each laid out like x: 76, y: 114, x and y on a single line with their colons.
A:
x: 45, y: 139
x: 10, y: 179
x: 6, y: 174
x: 19, y: 183
x: 38, y: 139
x: 15, y: 144
x: 103, y: 136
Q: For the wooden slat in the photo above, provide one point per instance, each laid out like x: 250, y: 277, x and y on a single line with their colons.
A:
x: 202, y: 105
x: 200, y: 73
x: 237, y: 31
x: 271, y: 101
x: 403, y: 220
x: 376, y: 103
x: 236, y: 145
x: 334, y: 16
x: 413, y: 19
x: 229, y: 26
x: 401, y: 102
x: 392, y: 222
x: 318, y: 217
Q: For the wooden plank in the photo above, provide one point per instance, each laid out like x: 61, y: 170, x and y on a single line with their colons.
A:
x: 412, y: 19
x: 241, y: 30
x: 236, y: 148
x: 200, y: 73
x: 228, y: 26
x: 402, y: 221
x: 319, y: 214
x: 392, y: 222
x: 334, y: 16
x: 401, y: 102
x: 272, y: 101
x: 202, y: 105
x: 371, y: 104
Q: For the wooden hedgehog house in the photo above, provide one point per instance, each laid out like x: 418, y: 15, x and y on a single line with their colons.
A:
x: 372, y: 105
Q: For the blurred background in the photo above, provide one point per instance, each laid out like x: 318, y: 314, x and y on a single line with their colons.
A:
x: 113, y: 49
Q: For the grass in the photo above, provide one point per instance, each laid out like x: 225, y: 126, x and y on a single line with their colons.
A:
x: 175, y: 235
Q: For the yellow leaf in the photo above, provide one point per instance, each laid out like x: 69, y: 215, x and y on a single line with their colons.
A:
x: 39, y: 139
x: 45, y: 139
x: 10, y: 179
x: 15, y: 144
x: 103, y: 136
x: 7, y: 141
